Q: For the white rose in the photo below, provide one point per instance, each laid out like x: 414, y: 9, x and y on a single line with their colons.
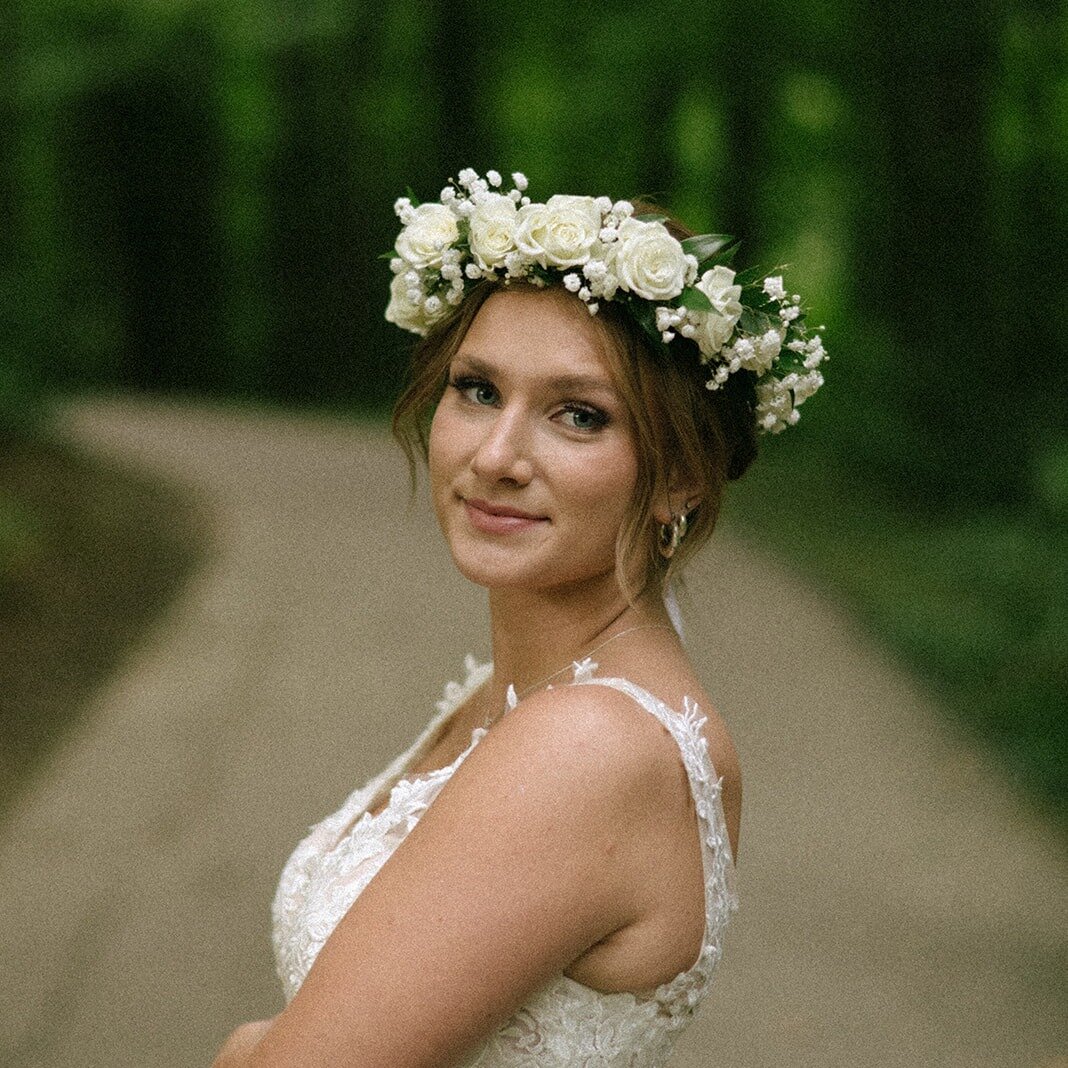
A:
x: 431, y: 230
x: 718, y: 286
x: 711, y: 331
x: 493, y: 225
x: 715, y: 327
x: 402, y: 311
x: 648, y: 261
x: 560, y: 233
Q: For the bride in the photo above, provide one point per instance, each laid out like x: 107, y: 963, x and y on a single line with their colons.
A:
x: 545, y: 877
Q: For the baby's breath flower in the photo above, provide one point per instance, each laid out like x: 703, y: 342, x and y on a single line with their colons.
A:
x: 773, y: 287
x: 519, y: 180
x: 595, y: 270
x: 494, y: 178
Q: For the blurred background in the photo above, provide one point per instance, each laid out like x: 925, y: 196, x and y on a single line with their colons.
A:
x: 194, y: 195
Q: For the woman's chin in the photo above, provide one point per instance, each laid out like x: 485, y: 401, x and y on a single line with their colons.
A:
x: 477, y: 565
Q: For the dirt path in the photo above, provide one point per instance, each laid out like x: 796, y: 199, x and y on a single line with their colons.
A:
x: 899, y: 906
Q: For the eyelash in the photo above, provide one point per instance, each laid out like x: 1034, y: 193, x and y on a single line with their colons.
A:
x: 463, y: 383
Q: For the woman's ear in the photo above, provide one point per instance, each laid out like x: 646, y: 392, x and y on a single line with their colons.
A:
x: 679, y: 499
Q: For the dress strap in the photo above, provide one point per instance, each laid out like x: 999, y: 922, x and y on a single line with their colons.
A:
x: 721, y: 898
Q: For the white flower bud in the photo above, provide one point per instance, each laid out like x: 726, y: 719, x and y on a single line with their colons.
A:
x: 592, y: 308
x: 432, y: 305
x: 572, y: 282
x: 494, y: 178
x: 396, y: 265
x: 604, y: 204
x: 623, y: 208
x: 473, y: 271
x: 467, y: 177
x: 519, y: 180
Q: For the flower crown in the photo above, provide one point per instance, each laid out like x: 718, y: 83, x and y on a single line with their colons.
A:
x: 600, y: 250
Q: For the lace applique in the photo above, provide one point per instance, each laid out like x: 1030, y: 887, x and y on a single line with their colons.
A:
x: 565, y: 1023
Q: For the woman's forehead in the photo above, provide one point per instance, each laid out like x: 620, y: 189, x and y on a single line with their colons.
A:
x: 547, y: 335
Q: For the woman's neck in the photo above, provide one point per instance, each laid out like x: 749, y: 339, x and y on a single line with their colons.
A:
x: 538, y: 632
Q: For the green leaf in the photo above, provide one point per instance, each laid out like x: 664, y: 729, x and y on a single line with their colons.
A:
x: 694, y: 299
x: 705, y: 246
x: 646, y: 317
x: 651, y: 217
x: 748, y: 276
x: 754, y: 322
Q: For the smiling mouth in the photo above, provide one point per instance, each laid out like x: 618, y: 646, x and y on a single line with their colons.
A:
x: 493, y: 523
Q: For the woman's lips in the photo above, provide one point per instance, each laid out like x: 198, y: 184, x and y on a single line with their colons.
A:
x: 498, y: 524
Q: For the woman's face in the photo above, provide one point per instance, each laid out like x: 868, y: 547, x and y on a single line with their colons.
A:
x: 531, y: 422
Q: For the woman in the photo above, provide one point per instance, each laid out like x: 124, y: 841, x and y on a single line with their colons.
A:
x: 545, y: 877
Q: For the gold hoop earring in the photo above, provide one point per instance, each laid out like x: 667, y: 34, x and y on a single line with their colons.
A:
x: 671, y: 534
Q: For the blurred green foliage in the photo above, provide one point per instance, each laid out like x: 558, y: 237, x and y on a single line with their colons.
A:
x: 197, y: 193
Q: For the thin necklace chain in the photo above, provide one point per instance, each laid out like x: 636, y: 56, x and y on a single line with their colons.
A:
x: 531, y: 689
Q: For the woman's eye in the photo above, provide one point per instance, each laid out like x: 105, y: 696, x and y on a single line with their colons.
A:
x: 479, y: 391
x: 585, y: 418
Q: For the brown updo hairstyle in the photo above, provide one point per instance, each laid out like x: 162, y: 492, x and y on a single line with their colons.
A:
x: 686, y: 434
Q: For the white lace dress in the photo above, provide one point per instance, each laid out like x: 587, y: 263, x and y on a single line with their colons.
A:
x: 565, y: 1023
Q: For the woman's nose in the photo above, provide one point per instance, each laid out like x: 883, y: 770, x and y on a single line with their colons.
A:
x: 503, y: 451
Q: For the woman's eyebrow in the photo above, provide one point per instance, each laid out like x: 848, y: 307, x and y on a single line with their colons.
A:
x: 560, y: 382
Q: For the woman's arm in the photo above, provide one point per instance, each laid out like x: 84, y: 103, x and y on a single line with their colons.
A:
x: 237, y: 1049
x: 523, y: 862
